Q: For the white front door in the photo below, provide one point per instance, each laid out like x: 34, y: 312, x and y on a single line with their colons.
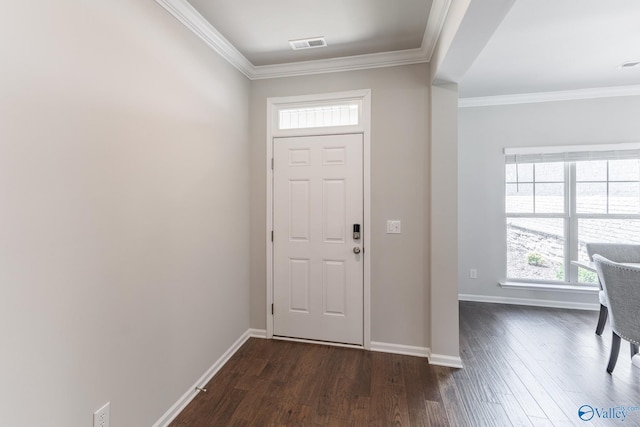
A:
x: 318, y: 276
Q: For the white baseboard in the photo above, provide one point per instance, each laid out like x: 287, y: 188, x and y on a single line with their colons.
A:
x: 529, y: 301
x: 257, y: 333
x: 407, y: 350
x: 192, y: 392
x: 443, y: 360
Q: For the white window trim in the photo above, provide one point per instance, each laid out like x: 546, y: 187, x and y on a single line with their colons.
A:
x: 571, y: 153
x: 552, y: 149
x: 275, y: 104
x: 551, y: 286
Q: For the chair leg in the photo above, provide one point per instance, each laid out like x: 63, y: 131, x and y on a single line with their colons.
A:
x: 604, y: 311
x: 615, y: 349
x: 634, y: 349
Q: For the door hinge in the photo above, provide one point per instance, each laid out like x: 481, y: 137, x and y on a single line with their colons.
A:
x: 271, y: 309
x: 272, y: 235
x: 272, y: 163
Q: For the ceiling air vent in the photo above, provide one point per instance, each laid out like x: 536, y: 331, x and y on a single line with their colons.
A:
x: 308, y: 43
x: 630, y: 64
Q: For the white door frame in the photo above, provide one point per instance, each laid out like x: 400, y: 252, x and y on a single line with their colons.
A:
x: 363, y: 98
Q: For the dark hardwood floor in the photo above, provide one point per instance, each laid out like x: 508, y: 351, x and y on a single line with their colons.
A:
x: 524, y: 366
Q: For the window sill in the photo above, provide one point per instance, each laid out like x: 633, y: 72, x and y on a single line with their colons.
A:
x: 551, y: 287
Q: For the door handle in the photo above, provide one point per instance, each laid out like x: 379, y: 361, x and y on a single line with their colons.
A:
x: 356, y: 250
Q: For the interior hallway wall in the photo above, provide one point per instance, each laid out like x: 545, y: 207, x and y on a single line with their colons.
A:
x: 445, y: 342
x: 484, y: 133
x: 399, y: 137
x: 124, y: 194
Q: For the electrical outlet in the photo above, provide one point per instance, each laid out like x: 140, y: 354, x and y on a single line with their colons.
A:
x: 473, y: 273
x: 101, y: 416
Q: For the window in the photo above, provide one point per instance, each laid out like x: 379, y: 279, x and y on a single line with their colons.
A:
x: 320, y: 116
x: 556, y: 202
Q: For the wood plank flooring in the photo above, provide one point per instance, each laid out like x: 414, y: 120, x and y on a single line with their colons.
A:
x: 524, y: 366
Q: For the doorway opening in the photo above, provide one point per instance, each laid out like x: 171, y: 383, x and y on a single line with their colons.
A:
x: 318, y: 218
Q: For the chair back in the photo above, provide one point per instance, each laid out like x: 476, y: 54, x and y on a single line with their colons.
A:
x: 621, y: 284
x: 616, y: 252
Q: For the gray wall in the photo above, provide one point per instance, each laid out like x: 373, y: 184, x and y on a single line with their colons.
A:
x: 484, y: 132
x: 124, y: 189
x: 400, y: 294
x: 445, y: 344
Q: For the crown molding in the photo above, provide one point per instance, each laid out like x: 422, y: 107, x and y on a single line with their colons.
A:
x: 435, y: 22
x: 191, y: 18
x: 565, y: 95
x: 347, y: 63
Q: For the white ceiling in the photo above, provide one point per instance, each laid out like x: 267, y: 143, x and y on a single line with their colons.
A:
x: 539, y: 46
x: 551, y: 45
x: 260, y: 29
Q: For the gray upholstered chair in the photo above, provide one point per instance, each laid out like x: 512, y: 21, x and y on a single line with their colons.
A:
x: 621, y: 285
x: 616, y: 252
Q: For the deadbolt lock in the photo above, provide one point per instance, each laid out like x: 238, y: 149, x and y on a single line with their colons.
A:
x: 356, y: 231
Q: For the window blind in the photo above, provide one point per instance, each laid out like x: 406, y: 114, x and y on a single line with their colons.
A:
x: 572, y: 153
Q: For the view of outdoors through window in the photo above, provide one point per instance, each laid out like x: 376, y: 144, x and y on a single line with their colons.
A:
x: 554, y: 209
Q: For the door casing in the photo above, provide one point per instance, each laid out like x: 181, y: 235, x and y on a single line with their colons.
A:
x: 274, y: 104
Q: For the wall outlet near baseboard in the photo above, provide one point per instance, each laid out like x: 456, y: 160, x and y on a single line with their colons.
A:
x: 473, y: 273
x: 102, y: 415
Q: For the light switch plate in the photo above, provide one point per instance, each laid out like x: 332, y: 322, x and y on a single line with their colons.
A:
x: 393, y: 227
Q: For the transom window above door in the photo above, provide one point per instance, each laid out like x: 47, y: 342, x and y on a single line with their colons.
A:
x: 318, y: 116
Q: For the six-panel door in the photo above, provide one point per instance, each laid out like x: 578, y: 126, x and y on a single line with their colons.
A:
x: 318, y: 277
